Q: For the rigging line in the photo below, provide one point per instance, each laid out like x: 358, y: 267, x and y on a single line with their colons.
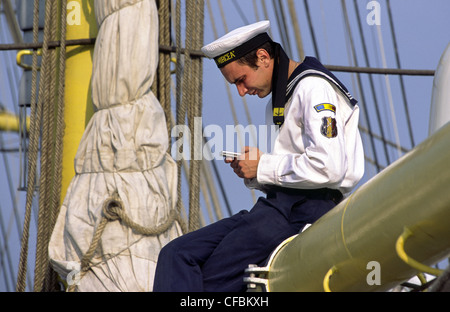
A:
x: 35, y: 123
x: 213, y: 24
x: 311, y: 28
x: 11, y: 20
x: 205, y: 170
x: 281, y: 20
x: 4, y: 253
x: 249, y: 118
x: 204, y: 185
x: 197, y: 21
x: 256, y: 11
x: 371, y: 83
x: 296, y: 27
x: 5, y: 233
x: 244, y: 100
x: 389, y: 92
x: 266, y: 15
x: 278, y: 19
x: 373, y: 162
x: 47, y: 89
x: 325, y: 34
x: 195, y: 53
x: 211, y: 188
x: 402, y: 84
x: 222, y: 15
x: 51, y: 44
x: 381, y: 71
x: 206, y: 173
x: 9, y: 150
x: 222, y: 188
x: 230, y: 97
x: 227, y: 85
x: 180, y: 110
x: 215, y: 37
x: 358, y: 78
x: 12, y: 73
x: 384, y: 140
x: 216, y: 171
x: 241, y: 14
x: 13, y: 198
x: 285, y: 27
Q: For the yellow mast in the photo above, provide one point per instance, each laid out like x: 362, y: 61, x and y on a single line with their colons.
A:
x: 81, y: 24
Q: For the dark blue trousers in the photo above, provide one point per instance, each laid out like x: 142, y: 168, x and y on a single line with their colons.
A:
x: 214, y: 258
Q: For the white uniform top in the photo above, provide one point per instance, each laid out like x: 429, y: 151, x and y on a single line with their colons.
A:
x: 308, y: 153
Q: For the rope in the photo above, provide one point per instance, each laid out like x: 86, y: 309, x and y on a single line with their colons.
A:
x: 163, y: 79
x: 198, y: 95
x: 351, y: 52
x: 187, y: 99
x: 180, y: 110
x: 35, y: 118
x: 113, y: 210
x: 296, y: 27
x: 402, y: 83
x: 188, y: 82
x: 45, y: 277
x: 57, y: 117
x: 60, y: 114
x: 192, y: 88
x: 389, y: 91
x: 46, y: 115
x: 374, y: 94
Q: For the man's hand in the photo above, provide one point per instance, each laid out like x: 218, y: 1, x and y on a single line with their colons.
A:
x: 246, y: 165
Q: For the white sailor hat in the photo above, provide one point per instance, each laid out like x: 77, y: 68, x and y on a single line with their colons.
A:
x: 237, y: 43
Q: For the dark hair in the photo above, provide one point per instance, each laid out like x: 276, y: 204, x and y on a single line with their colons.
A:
x: 251, y: 59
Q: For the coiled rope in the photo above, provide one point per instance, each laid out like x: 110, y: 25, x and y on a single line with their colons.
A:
x: 113, y: 210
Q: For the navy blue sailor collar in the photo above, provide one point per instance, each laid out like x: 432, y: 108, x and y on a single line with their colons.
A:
x: 312, y: 67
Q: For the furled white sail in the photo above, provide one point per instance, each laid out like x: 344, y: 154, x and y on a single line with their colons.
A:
x: 123, y: 150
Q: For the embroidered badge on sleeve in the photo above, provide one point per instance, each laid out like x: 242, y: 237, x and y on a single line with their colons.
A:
x: 325, y: 106
x: 328, y: 127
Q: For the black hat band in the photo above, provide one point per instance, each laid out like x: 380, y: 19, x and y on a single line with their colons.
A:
x: 241, y: 50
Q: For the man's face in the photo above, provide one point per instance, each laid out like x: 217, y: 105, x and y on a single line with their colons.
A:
x: 249, y: 80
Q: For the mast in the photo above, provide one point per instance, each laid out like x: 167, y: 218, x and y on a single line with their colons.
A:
x: 81, y: 24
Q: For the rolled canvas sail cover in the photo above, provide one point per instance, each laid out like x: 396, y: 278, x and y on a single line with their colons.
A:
x: 123, y: 150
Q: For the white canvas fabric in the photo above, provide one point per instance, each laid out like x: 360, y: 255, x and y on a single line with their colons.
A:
x: 123, y: 149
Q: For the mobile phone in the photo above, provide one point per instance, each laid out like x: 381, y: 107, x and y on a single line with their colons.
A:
x: 227, y: 154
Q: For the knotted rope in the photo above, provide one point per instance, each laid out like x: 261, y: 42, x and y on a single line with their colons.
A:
x: 113, y: 210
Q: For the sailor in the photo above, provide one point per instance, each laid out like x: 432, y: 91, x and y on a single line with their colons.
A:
x: 317, y: 158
